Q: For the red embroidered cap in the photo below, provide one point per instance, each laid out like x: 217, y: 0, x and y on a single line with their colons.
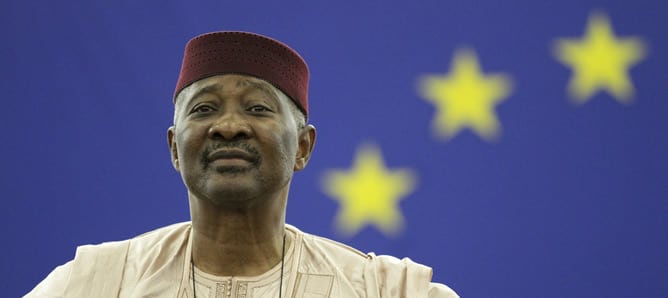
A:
x: 246, y: 53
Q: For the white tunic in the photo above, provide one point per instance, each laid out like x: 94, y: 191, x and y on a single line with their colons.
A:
x: 157, y: 264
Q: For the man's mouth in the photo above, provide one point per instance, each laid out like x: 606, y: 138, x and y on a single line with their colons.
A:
x: 231, y: 157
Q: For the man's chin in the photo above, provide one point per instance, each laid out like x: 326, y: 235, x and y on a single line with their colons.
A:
x: 230, y: 182
x: 237, y: 196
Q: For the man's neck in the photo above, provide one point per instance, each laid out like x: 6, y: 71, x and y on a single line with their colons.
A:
x: 237, y: 242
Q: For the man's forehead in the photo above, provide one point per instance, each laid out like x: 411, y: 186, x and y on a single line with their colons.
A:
x: 233, y: 80
x: 228, y: 81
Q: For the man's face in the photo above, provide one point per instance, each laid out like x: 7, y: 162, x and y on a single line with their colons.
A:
x: 235, y: 139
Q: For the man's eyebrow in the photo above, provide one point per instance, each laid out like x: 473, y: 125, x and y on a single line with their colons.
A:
x: 262, y: 86
x: 206, y: 89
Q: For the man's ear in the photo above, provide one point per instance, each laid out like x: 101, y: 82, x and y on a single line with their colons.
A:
x: 305, y: 146
x: 172, y: 148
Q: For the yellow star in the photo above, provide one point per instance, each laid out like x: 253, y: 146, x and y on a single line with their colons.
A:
x: 465, y: 97
x: 600, y: 61
x: 369, y: 193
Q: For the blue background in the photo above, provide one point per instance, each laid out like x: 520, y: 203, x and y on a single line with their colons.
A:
x: 570, y: 201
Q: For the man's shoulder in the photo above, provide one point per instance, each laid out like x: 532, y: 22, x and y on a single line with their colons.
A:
x: 328, y: 249
x: 344, y: 252
x: 103, y: 265
x: 328, y: 252
x: 379, y: 275
x: 163, y: 234
x: 122, y: 247
x: 160, y: 234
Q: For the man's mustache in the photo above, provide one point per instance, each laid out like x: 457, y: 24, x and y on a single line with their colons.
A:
x: 248, y: 150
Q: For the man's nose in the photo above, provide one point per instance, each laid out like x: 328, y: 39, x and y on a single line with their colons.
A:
x: 230, y: 126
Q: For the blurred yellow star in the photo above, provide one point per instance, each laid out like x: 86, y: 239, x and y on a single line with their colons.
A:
x: 465, y: 98
x: 600, y: 61
x: 369, y: 193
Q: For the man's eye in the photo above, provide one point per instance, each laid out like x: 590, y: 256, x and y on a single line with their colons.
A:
x: 258, y: 109
x: 203, y: 109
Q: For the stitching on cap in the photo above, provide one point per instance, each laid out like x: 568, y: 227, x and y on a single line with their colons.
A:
x: 275, y: 56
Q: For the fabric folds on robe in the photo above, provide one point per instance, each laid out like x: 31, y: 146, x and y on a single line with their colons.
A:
x: 156, y: 264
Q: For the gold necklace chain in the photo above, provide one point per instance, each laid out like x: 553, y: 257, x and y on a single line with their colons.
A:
x: 280, y: 284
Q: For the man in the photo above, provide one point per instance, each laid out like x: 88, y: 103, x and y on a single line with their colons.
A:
x: 239, y: 134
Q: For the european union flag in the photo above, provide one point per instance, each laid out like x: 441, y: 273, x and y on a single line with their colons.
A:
x: 517, y: 147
